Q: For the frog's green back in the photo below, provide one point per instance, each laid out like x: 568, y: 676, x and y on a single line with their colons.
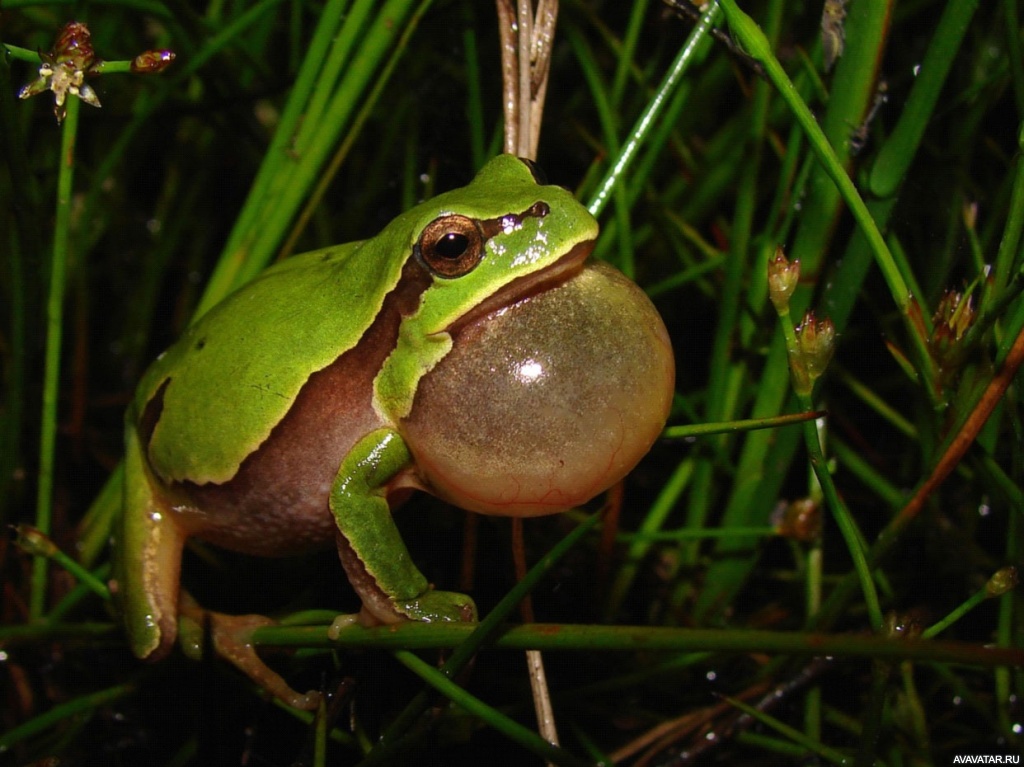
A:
x: 236, y: 372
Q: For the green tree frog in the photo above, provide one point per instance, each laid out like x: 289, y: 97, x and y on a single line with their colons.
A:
x: 468, y: 350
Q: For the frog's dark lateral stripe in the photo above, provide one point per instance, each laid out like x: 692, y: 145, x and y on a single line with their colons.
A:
x: 492, y: 227
x: 151, y: 415
x: 276, y: 483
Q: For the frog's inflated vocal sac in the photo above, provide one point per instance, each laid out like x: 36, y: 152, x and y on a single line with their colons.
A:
x: 468, y: 350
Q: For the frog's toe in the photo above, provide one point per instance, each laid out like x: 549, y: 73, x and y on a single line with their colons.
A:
x: 232, y: 640
x: 342, y: 622
x: 231, y: 636
x: 440, y: 607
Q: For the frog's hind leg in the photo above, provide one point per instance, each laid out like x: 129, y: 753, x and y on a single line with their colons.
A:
x: 147, y: 560
x: 230, y: 636
x: 147, y: 569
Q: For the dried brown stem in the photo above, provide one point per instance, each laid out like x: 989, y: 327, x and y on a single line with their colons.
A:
x: 526, y: 42
x: 965, y: 437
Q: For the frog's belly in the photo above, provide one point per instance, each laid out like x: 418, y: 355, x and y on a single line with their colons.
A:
x: 278, y: 520
x: 278, y: 503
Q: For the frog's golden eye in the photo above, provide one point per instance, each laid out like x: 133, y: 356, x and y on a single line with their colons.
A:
x: 451, y: 246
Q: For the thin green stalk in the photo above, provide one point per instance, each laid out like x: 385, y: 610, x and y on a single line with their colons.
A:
x: 913, y: 710
x: 22, y: 239
x: 814, y: 567
x: 685, y: 534
x: 900, y: 148
x: 690, y: 430
x: 511, y: 729
x: 852, y: 461
x: 474, y: 99
x: 320, y: 735
x: 1004, y: 487
x: 1009, y: 246
x: 756, y: 44
x: 874, y: 712
x: 609, y: 128
x: 330, y: 170
x: 292, y: 185
x: 813, y: 570
x: 899, y: 256
x: 654, y: 108
x: 637, y: 16
x: 54, y: 336
x: 295, y: 45
x: 47, y: 631
x: 727, y: 371
x: 1001, y: 308
x: 392, y: 739
x: 32, y: 541
x: 957, y: 613
x: 847, y: 525
x: 807, y: 361
x: 869, y: 397
x: 594, y: 750
x: 674, y: 282
x: 629, y: 681
x: 22, y: 54
x: 1004, y: 581
x: 567, y: 636
x: 99, y: 519
x: 308, y: 718
x: 1008, y: 634
x: 344, y: 46
x: 772, y: 745
x: 667, y: 498
x: 80, y: 593
x: 305, y: 83
x: 58, y: 714
x: 1013, y: 326
x: 175, y: 82
x: 1016, y: 55
x: 812, y: 745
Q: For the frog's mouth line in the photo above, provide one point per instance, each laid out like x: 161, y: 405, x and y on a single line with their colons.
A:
x: 560, y: 272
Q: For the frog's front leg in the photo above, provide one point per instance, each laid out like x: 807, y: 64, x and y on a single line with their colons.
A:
x: 371, y: 549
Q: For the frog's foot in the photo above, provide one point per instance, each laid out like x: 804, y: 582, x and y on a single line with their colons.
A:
x: 432, y: 607
x: 343, y: 621
x: 231, y: 638
x: 438, y: 607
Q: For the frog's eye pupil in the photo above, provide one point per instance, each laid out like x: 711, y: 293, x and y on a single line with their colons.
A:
x: 451, y: 246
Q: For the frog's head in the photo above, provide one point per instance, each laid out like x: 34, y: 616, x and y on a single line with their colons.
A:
x: 527, y: 381
x: 485, y: 246
x: 502, y: 237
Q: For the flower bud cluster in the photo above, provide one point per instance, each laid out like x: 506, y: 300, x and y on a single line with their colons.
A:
x: 953, y: 318
x: 813, y: 341
x: 66, y: 66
